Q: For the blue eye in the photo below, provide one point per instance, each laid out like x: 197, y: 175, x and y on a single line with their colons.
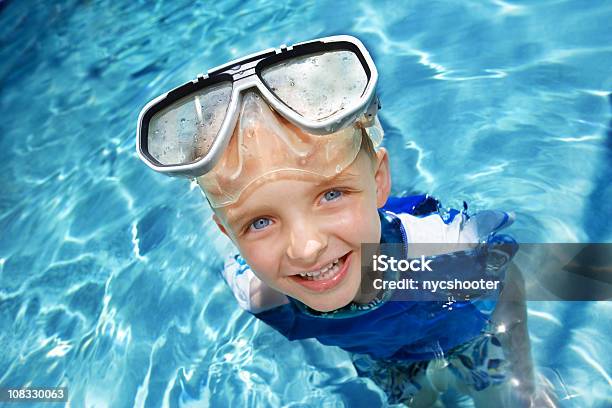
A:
x: 260, y: 223
x: 332, y: 195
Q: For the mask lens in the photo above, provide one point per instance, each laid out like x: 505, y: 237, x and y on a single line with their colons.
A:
x: 185, y: 131
x: 319, y: 85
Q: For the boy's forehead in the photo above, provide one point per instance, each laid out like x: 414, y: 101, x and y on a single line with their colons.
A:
x: 265, y: 144
x: 282, y: 191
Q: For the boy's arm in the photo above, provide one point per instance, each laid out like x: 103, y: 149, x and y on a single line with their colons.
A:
x: 250, y: 292
x: 510, y: 321
x: 511, y: 312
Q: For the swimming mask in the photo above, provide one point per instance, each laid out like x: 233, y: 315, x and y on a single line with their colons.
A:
x: 324, y: 90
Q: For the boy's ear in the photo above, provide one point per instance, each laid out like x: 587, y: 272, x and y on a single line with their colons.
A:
x: 382, y: 177
x: 217, y: 221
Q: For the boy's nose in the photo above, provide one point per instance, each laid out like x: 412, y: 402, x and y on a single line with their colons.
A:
x: 306, y: 246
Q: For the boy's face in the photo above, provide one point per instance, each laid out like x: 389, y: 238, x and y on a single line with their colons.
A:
x: 287, y: 229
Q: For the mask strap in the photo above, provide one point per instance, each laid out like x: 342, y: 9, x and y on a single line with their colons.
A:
x: 370, y: 113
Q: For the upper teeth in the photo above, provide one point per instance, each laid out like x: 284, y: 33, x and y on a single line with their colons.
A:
x: 322, y: 270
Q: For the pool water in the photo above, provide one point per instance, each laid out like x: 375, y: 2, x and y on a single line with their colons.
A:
x: 109, y: 273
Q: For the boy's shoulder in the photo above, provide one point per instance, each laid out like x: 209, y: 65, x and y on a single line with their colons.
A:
x: 238, y: 276
x: 425, y: 220
x: 250, y: 292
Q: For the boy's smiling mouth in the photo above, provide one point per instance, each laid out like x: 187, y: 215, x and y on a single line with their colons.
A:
x: 327, y: 277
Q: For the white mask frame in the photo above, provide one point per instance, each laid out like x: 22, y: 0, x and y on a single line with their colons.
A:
x: 244, y: 74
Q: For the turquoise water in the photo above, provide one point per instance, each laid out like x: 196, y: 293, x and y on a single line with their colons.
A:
x: 109, y: 278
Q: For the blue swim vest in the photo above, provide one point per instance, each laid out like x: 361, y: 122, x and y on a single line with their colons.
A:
x: 397, y: 330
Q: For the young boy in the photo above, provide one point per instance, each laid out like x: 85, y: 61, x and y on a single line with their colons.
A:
x: 283, y: 144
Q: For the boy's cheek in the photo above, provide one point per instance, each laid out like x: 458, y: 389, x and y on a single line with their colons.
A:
x: 262, y: 271
x: 258, y: 259
x: 263, y: 260
x: 361, y: 222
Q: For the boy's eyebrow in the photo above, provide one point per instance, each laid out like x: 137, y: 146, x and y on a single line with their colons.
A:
x: 237, y: 216
x: 338, y: 178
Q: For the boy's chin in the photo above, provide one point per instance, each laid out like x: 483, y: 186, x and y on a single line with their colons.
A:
x: 333, y: 302
x: 328, y: 308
